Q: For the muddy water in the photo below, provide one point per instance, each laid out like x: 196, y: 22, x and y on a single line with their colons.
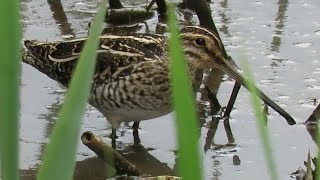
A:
x: 281, y: 41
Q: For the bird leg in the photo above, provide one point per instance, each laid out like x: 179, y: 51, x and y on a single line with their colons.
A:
x: 232, y: 100
x: 113, y: 137
x: 136, y: 138
x: 214, y: 103
x: 135, y: 125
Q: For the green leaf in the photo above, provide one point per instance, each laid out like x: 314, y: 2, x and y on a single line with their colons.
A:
x: 184, y: 105
x: 59, y: 157
x: 261, y: 120
x: 10, y: 35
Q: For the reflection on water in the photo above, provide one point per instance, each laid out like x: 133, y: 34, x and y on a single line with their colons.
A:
x: 212, y: 129
x: 95, y: 168
x: 60, y: 16
x: 142, y: 159
x: 280, y: 20
x: 216, y: 174
x: 224, y: 18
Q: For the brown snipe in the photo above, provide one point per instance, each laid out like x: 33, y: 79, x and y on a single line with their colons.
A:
x: 131, y: 80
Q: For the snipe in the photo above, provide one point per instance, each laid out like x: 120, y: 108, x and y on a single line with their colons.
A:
x: 131, y: 80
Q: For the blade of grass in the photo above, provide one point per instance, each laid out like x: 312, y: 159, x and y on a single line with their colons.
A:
x: 261, y: 120
x: 317, y: 163
x: 189, y: 161
x: 10, y: 35
x: 313, y: 118
x: 59, y: 156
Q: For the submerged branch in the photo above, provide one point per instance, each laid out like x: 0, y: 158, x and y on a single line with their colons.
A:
x: 109, y: 155
x: 128, y: 15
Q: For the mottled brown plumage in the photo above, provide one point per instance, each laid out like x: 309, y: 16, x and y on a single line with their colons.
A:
x: 131, y: 80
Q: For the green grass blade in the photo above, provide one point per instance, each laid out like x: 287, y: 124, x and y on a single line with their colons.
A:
x: 10, y: 49
x: 317, y: 163
x: 59, y: 157
x: 261, y: 121
x: 189, y: 164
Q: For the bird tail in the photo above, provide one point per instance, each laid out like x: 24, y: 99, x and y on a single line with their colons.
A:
x: 28, y: 58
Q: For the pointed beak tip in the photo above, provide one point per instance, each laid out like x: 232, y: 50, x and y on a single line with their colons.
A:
x: 291, y: 121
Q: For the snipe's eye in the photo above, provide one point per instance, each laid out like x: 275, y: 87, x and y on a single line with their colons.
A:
x: 200, y: 42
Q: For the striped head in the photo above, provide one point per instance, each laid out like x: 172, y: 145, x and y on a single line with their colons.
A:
x: 202, y: 47
x: 56, y: 60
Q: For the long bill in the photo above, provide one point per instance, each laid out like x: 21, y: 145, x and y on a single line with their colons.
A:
x: 234, y: 74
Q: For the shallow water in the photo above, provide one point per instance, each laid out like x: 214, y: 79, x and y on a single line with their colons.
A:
x: 281, y: 41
